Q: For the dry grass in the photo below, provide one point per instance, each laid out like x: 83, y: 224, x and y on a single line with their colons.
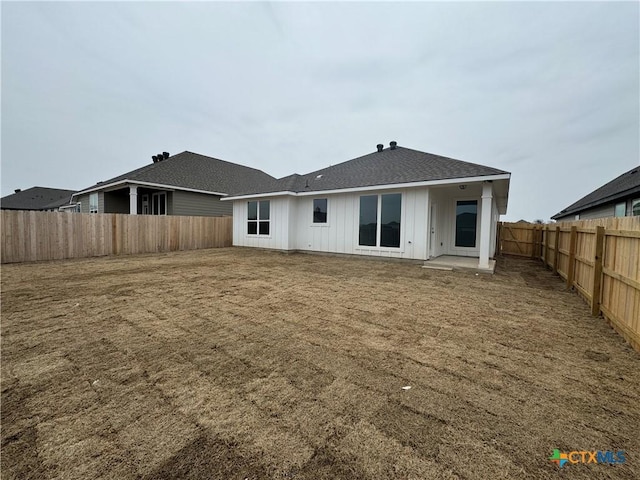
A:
x: 237, y: 363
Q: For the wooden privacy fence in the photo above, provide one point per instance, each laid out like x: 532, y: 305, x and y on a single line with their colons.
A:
x: 30, y: 236
x: 599, y: 259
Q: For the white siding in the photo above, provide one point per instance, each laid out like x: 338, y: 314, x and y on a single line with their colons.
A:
x: 292, y: 226
x: 278, y: 237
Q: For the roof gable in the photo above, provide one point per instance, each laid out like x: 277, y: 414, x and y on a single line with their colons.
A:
x: 197, y: 172
x: 627, y: 183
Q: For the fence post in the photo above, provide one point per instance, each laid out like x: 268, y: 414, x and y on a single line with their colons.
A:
x: 597, y: 272
x: 572, y: 256
x: 499, y: 239
x: 556, y: 244
x: 534, y: 244
x: 546, y: 245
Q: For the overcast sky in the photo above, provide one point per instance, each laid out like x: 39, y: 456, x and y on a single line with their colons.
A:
x: 546, y: 91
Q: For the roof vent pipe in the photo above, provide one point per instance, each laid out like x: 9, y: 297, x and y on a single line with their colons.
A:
x: 380, y: 147
x: 154, y: 158
x: 18, y: 190
x: 393, y: 145
x: 160, y: 157
x: 165, y: 155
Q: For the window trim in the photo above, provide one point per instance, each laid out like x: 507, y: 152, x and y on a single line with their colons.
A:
x: 453, y: 229
x: 258, y: 220
x: 166, y: 203
x: 319, y: 224
x: 97, y: 204
x: 615, y: 209
x: 377, y: 247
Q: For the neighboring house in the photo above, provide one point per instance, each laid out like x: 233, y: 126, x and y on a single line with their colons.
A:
x: 36, y: 198
x: 618, y: 198
x: 182, y: 184
x: 396, y: 202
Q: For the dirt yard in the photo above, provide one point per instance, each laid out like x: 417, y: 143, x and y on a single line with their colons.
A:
x: 245, y: 364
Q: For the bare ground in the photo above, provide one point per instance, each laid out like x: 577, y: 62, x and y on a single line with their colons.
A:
x: 238, y: 363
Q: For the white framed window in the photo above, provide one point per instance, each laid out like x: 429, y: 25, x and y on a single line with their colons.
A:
x: 320, y: 210
x: 159, y: 203
x: 621, y: 209
x: 93, y: 203
x: 259, y: 217
x: 466, y: 227
x: 380, y: 220
x: 635, y: 206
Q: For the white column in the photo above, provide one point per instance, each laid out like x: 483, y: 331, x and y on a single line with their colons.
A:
x: 485, y: 225
x: 133, y: 200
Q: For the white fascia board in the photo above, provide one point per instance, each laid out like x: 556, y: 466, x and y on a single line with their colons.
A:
x: 391, y: 186
x: 259, y: 195
x: 429, y: 183
x: 146, y: 184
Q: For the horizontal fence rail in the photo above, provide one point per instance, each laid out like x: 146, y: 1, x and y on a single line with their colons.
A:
x: 599, y: 259
x: 32, y: 236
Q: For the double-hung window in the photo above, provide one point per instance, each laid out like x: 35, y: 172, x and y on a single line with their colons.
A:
x: 258, y: 217
x: 380, y: 218
x: 93, y: 203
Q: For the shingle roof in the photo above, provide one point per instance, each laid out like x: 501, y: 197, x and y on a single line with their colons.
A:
x: 37, y: 198
x: 197, y: 172
x: 388, y: 167
x: 626, y: 184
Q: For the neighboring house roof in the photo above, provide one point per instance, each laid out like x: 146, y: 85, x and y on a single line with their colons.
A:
x: 192, y: 171
x: 626, y: 184
x: 37, y: 198
x: 390, y: 166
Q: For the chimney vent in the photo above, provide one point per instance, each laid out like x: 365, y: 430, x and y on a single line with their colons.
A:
x: 393, y: 145
x: 165, y: 155
x: 380, y: 147
x: 18, y: 190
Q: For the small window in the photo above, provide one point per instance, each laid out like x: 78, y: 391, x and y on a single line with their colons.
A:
x: 258, y: 217
x: 621, y: 210
x: 635, y: 207
x: 93, y: 203
x: 320, y: 210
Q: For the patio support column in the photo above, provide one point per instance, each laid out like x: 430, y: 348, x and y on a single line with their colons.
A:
x: 133, y: 200
x: 485, y: 225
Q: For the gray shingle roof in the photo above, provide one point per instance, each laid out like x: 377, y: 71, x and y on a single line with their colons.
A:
x: 388, y: 167
x: 626, y: 184
x: 37, y: 198
x: 198, y: 172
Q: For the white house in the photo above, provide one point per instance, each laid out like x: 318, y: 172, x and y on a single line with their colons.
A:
x: 395, y: 202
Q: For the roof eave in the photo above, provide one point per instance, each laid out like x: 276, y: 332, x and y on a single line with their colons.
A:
x: 427, y: 183
x: 146, y: 184
x: 596, y: 203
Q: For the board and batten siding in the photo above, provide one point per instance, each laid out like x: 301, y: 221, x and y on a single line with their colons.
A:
x: 198, y: 204
x: 279, y: 216
x: 292, y: 226
x: 340, y: 233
